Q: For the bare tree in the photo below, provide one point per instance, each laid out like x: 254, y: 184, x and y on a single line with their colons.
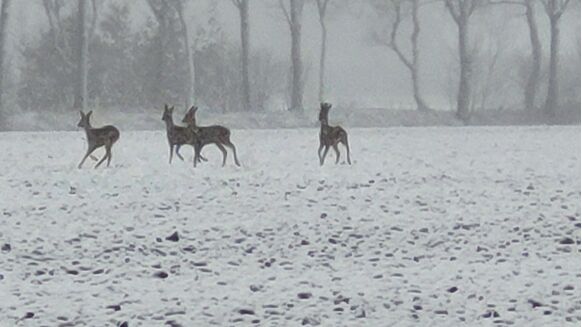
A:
x: 3, y: 33
x: 532, y: 85
x: 190, y: 96
x: 159, y: 9
x: 461, y: 12
x: 83, y: 58
x: 554, y: 9
x: 293, y: 15
x: 172, y: 37
x: 533, y: 79
x: 53, y: 12
x: 322, y: 10
x: 243, y: 10
x: 94, y: 16
x: 412, y: 61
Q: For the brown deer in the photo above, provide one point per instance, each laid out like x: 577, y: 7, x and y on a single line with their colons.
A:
x: 203, y: 135
x: 177, y: 135
x: 98, y: 137
x: 330, y: 136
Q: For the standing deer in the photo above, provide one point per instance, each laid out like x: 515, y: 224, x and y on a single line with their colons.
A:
x: 204, y: 135
x: 177, y: 135
x: 98, y: 137
x: 331, y: 136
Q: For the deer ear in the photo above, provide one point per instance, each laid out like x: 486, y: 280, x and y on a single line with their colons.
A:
x: 194, y: 108
x: 82, y: 113
x: 89, y: 113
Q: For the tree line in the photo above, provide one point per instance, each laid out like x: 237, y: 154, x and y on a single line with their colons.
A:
x: 89, y: 55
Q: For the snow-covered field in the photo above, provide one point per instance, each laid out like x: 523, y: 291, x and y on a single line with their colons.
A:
x: 431, y: 226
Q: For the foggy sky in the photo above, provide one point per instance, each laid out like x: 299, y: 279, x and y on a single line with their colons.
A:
x: 359, y: 72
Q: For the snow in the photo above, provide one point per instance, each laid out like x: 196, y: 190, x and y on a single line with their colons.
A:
x: 386, y: 241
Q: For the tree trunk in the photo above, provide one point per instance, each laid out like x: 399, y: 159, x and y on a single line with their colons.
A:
x: 464, y: 95
x: 322, y: 58
x: 161, y: 13
x: 3, y: 35
x: 531, y: 87
x: 420, y: 104
x: 161, y: 62
x: 83, y: 51
x: 190, y: 95
x: 296, y: 8
x: 245, y: 39
x: 552, y: 97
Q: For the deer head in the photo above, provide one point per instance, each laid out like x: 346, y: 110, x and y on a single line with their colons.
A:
x: 190, y: 117
x: 325, y: 106
x: 84, y: 122
x: 168, y: 112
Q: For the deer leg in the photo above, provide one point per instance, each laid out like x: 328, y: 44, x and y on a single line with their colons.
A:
x: 324, y: 154
x: 178, y: 152
x: 89, y: 151
x: 200, y: 156
x: 104, y: 156
x: 224, y: 153
x: 319, y: 151
x: 108, y: 150
x: 345, y: 142
x: 231, y: 146
x: 337, y: 154
x: 171, y: 152
x: 198, y: 152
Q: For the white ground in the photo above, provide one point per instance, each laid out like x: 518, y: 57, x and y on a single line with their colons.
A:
x: 419, y: 212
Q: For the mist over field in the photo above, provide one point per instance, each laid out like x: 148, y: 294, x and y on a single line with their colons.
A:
x: 137, y: 61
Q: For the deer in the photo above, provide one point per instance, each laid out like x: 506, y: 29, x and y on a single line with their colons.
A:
x: 97, y: 137
x: 331, y: 136
x: 177, y: 135
x: 204, y: 135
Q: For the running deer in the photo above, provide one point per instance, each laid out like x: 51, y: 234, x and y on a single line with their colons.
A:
x: 98, y: 137
x: 331, y: 136
x: 204, y: 135
x: 177, y: 135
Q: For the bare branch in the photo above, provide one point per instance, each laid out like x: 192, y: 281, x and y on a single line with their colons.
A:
x: 555, y: 8
x: 321, y: 7
x: 52, y: 9
x: 395, y: 26
x: 507, y: 2
x: 94, y: 18
x: 156, y: 11
x: 473, y: 5
x: 48, y: 8
x: 285, y: 12
x: 562, y: 8
x: 456, y: 15
x: 237, y: 3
